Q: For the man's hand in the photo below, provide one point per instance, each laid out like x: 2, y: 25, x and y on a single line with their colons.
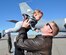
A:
x: 25, y: 23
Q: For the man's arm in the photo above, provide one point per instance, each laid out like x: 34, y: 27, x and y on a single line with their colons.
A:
x: 22, y: 34
x: 30, y: 44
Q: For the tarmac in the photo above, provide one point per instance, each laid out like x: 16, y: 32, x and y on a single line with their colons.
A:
x: 58, y: 46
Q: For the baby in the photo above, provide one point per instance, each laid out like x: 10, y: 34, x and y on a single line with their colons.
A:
x: 37, y: 14
x: 34, y: 18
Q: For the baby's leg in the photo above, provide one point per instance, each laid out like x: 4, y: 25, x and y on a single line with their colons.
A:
x: 17, y: 27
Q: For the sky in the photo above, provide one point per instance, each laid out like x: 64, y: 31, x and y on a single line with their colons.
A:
x: 53, y: 10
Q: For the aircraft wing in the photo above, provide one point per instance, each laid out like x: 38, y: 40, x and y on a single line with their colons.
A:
x: 25, y: 8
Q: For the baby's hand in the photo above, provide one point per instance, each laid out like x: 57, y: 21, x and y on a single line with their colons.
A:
x: 37, y: 30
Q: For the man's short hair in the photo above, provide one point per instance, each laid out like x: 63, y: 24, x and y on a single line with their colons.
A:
x: 55, y: 28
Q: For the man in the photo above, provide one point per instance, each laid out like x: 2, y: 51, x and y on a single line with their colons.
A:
x: 41, y: 44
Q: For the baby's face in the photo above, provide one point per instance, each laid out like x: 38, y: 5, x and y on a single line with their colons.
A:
x: 37, y: 15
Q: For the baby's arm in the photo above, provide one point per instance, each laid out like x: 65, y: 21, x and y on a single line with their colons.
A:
x: 32, y: 23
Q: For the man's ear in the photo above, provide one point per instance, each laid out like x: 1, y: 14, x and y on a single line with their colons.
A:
x: 50, y: 30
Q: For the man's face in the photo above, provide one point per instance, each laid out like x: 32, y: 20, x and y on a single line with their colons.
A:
x: 37, y: 15
x: 47, y: 28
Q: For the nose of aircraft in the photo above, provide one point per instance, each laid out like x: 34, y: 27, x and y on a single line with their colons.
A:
x: 65, y: 22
